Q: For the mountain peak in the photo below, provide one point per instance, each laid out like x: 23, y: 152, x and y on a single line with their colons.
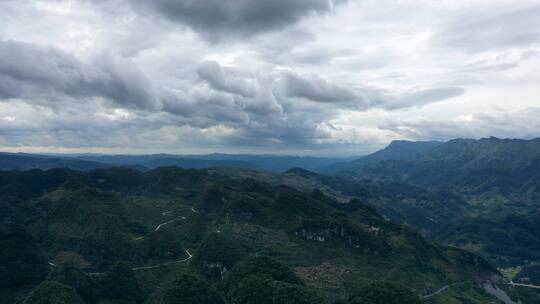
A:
x: 301, y: 172
x: 396, y: 150
x: 400, y: 142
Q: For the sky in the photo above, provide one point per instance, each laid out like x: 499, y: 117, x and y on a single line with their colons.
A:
x: 305, y: 77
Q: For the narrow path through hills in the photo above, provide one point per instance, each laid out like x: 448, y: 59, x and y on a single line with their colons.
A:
x: 189, y: 257
x: 442, y: 289
x: 503, y: 297
x: 523, y: 285
x: 165, y: 264
x: 158, y: 227
x: 435, y: 292
x: 168, y: 222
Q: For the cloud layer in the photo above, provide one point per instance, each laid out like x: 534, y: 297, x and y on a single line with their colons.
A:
x: 217, y: 20
x: 46, y: 74
x: 286, y: 76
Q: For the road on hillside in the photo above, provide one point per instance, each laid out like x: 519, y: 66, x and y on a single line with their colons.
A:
x: 164, y: 264
x: 189, y: 257
x: 523, y: 285
x: 168, y: 222
x: 436, y: 292
x: 158, y: 227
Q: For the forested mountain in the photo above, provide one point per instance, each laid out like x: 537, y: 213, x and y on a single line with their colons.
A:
x: 460, y: 161
x: 483, y: 195
x: 396, y: 150
x: 87, y: 162
x: 499, y: 177
x: 205, y: 236
x: 235, y: 233
x: 23, y: 161
x: 273, y: 163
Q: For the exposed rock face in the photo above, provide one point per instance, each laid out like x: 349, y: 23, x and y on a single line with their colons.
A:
x: 498, y: 293
x: 354, y: 236
x: 222, y: 269
x: 326, y: 275
x: 246, y: 215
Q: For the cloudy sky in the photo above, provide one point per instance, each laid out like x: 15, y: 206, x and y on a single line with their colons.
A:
x: 317, y: 77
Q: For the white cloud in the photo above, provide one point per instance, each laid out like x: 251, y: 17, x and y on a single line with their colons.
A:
x: 312, y: 77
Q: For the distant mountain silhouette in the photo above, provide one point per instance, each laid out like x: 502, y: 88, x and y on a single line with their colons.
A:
x: 396, y: 150
x: 22, y: 161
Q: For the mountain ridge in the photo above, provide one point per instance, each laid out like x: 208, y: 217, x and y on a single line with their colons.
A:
x: 396, y: 150
x: 148, y: 218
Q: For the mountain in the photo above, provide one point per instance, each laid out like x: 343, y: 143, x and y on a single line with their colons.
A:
x: 170, y: 234
x: 87, y: 162
x: 196, y: 163
x: 396, y: 150
x: 459, y: 159
x: 428, y: 210
x: 484, y: 195
x: 509, y: 240
x: 271, y: 163
x: 22, y: 161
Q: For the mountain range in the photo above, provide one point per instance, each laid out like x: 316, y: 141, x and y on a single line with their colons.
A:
x: 87, y: 162
x: 73, y: 228
x: 396, y: 150
x: 433, y: 222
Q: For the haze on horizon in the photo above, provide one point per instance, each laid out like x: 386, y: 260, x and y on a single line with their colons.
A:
x: 309, y: 77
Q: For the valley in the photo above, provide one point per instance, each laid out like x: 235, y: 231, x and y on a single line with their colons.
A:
x: 269, y: 152
x: 335, y: 234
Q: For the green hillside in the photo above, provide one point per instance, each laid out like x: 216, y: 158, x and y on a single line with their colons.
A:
x: 477, y: 194
x: 170, y: 234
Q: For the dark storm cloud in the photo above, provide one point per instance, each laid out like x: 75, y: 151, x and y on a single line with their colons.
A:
x: 26, y: 68
x: 268, y: 94
x: 285, y: 106
x: 46, y: 74
x: 204, y: 108
x: 218, y: 19
x: 288, y: 75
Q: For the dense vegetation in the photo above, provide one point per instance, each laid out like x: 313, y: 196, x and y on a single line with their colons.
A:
x: 52, y: 292
x: 383, y: 293
x: 477, y: 194
x: 396, y: 150
x: 88, y: 162
x: 125, y: 236
x: 480, y: 195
